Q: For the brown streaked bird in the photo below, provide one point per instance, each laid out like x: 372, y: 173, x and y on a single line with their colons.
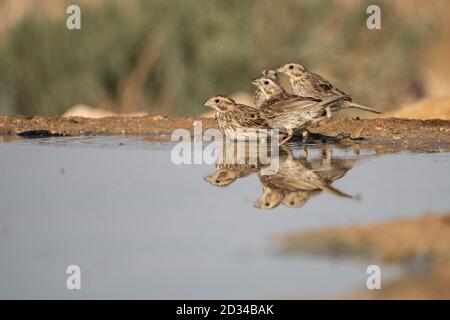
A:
x: 259, y: 96
x: 226, y: 174
x: 287, y: 111
x: 295, y: 175
x: 306, y: 83
x: 298, y: 180
x: 270, y: 198
x: 297, y: 199
x: 237, y: 121
x: 327, y: 169
x: 271, y: 89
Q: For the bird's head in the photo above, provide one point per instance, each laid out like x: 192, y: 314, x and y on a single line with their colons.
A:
x: 221, y: 178
x: 268, y: 86
x: 296, y: 199
x: 220, y: 103
x: 293, y: 70
x: 270, y: 198
x: 271, y: 74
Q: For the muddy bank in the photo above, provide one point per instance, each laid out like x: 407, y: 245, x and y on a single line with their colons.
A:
x: 421, y: 245
x: 157, y: 126
x: 390, y: 131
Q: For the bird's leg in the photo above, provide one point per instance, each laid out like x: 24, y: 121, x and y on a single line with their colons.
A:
x: 288, y: 151
x: 305, y: 152
x: 305, y: 136
x: 305, y: 139
x: 327, y: 154
x: 356, y: 149
x: 328, y: 110
x: 290, y: 133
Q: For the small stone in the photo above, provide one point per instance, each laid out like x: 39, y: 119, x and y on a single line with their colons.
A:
x: 157, y: 117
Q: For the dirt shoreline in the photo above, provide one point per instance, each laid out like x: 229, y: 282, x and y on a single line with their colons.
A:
x: 160, y: 127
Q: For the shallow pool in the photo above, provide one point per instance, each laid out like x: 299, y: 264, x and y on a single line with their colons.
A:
x: 140, y: 226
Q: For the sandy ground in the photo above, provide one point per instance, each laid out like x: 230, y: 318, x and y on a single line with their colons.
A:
x: 388, y: 131
x: 421, y: 245
x: 430, y: 108
x: 157, y: 126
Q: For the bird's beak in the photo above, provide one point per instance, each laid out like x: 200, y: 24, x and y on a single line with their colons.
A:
x: 212, y: 104
x: 258, y: 204
x: 209, y: 179
x: 208, y: 103
x: 281, y: 69
x: 255, y: 82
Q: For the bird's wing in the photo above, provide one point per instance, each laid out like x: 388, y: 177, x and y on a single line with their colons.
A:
x: 322, y: 85
x: 274, y: 107
x: 305, y: 181
x: 249, y: 117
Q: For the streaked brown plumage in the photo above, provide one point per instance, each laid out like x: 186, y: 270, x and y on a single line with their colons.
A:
x: 226, y: 174
x: 328, y: 169
x: 306, y: 83
x: 270, y: 198
x: 237, y: 121
x: 286, y: 111
x: 296, y: 175
x: 297, y: 199
x: 299, y: 179
x: 259, y: 96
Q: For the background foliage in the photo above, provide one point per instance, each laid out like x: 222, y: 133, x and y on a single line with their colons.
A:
x: 169, y: 56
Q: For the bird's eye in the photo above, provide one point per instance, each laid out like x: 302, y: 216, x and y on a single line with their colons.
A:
x: 266, y: 82
x: 217, y: 101
x: 291, y: 67
x: 217, y: 181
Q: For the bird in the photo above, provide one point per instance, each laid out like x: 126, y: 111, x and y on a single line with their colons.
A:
x: 306, y: 83
x: 270, y: 88
x: 328, y: 169
x: 297, y: 175
x: 297, y: 199
x: 288, y: 112
x: 297, y: 179
x: 270, y: 198
x: 226, y: 174
x: 259, y: 96
x: 238, y: 121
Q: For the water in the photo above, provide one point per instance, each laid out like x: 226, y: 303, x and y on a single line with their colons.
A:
x: 141, y: 227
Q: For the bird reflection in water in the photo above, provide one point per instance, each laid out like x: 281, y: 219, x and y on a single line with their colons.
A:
x: 296, y: 180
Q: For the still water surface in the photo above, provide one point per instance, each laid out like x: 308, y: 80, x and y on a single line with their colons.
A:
x: 141, y: 227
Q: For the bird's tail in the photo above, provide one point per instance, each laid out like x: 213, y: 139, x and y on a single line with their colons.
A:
x: 350, y: 104
x: 334, y: 98
x: 336, y: 192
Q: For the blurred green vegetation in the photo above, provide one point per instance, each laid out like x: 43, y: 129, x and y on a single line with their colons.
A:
x: 169, y: 56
